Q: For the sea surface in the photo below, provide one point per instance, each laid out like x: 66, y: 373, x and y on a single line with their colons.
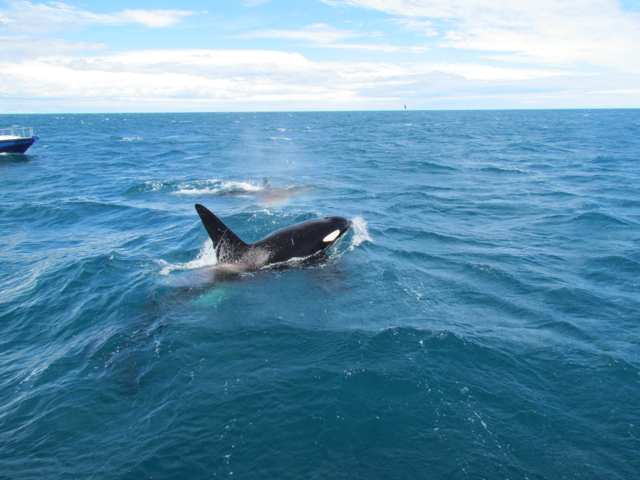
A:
x: 480, y: 320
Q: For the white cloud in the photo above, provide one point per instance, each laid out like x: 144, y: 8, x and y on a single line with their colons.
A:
x: 623, y: 91
x: 219, y: 58
x: 379, y: 47
x: 152, y: 18
x: 596, y: 32
x: 474, y: 71
x: 322, y: 35
x: 422, y: 27
x: 317, y: 33
x: 194, y: 78
x: 21, y: 48
x: 57, y: 16
x: 216, y: 75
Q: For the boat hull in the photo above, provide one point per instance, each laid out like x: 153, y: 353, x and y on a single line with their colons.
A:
x: 19, y: 145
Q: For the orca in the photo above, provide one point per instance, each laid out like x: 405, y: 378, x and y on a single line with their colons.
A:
x: 296, y: 241
x: 269, y: 195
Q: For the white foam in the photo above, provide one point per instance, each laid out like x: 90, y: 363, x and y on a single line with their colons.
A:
x: 241, y: 186
x: 155, y: 186
x: 214, y: 187
x: 198, y: 191
x: 206, y: 258
x: 360, y: 232
x: 35, y: 372
x: 265, y: 211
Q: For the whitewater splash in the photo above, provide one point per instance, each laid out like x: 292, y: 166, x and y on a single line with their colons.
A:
x: 360, y: 232
x: 206, y: 258
x: 215, y: 187
x: 212, y: 187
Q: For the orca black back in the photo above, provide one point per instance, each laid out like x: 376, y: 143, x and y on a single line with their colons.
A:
x: 295, y: 241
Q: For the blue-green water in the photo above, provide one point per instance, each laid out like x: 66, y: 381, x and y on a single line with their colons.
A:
x: 481, y: 319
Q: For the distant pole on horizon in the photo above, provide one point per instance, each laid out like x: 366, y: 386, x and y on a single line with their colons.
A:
x: 405, y: 107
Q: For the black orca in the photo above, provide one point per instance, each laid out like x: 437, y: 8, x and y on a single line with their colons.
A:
x: 296, y: 241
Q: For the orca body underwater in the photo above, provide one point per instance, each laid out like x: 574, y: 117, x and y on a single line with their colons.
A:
x: 241, y: 191
x: 299, y: 240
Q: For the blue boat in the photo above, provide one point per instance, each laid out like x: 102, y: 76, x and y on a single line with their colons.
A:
x: 16, y: 140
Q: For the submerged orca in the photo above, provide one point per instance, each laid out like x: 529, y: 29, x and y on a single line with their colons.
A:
x: 269, y: 195
x: 242, y: 191
x: 299, y: 240
x: 265, y: 195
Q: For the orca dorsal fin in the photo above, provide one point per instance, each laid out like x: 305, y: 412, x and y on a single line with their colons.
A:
x: 265, y: 182
x: 228, y: 246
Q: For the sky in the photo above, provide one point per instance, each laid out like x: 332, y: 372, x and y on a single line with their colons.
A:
x: 317, y: 55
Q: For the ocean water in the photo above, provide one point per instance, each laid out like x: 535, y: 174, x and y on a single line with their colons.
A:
x: 480, y: 320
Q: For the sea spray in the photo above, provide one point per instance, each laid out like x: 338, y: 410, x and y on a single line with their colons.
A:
x: 206, y: 258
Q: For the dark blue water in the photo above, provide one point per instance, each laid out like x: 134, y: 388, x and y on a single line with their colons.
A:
x: 481, y: 319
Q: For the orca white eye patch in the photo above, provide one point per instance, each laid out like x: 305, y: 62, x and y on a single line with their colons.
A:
x: 332, y: 236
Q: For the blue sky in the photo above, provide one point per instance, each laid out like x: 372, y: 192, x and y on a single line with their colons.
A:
x: 281, y: 55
